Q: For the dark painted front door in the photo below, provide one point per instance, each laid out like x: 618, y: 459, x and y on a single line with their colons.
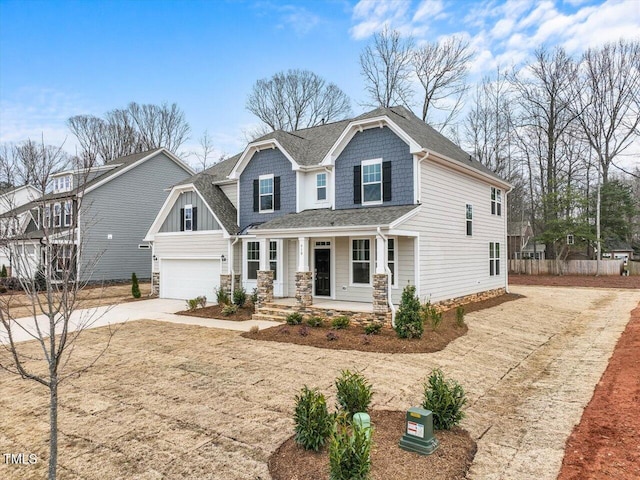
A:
x: 323, y: 273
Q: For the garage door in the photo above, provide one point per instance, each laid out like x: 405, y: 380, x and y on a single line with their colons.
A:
x: 184, y: 279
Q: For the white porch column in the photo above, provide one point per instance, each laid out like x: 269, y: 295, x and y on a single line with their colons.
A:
x: 381, y: 246
x: 303, y: 254
x: 264, y: 254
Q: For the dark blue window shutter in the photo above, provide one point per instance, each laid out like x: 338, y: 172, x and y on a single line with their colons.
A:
x: 357, y: 185
x: 182, y: 219
x: 386, y: 181
x: 194, y: 219
x: 256, y: 196
x: 276, y: 193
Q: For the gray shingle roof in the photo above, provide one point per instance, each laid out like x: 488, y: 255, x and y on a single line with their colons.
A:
x: 351, y: 217
x: 217, y: 201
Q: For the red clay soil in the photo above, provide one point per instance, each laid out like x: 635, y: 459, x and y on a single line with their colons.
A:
x: 606, y: 442
x: 608, y: 281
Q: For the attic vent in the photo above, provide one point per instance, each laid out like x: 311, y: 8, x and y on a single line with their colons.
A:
x: 144, y: 246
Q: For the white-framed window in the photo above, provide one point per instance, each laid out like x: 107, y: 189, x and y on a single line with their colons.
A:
x: 570, y: 239
x: 273, y: 258
x: 321, y: 187
x: 62, y: 184
x: 57, y: 215
x: 372, y: 182
x: 62, y: 257
x: 391, y: 259
x: 496, y: 201
x: 253, y: 260
x: 361, y: 261
x: 266, y: 193
x: 67, y: 183
x: 494, y: 259
x: 67, y: 213
x: 47, y: 216
x: 469, y: 217
x: 188, y: 218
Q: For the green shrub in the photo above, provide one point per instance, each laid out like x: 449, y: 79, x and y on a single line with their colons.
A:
x: 312, y: 419
x: 192, y: 304
x: 445, y: 398
x: 294, y: 318
x: 460, y: 317
x: 135, y: 288
x: 3, y: 272
x: 222, y: 297
x: 254, y: 296
x: 373, y: 328
x: 349, y: 452
x: 314, y: 321
x: 432, y: 315
x: 353, y: 392
x: 202, y: 301
x: 340, y: 322
x: 408, y: 319
x: 229, y: 309
x: 240, y: 297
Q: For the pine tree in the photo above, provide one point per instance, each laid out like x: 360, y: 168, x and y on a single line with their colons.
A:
x: 135, y: 288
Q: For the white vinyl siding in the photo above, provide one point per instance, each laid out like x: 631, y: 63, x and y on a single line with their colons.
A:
x: 451, y: 263
x: 200, y: 245
x: 231, y: 191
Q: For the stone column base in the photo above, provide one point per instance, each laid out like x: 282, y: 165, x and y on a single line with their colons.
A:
x: 304, y: 289
x: 380, y: 294
x: 155, y: 283
x: 265, y: 287
x: 225, y: 283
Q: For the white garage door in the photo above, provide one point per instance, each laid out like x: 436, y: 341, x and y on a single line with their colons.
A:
x: 184, y: 279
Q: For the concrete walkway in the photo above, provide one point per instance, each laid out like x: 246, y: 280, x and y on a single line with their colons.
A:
x: 154, y: 309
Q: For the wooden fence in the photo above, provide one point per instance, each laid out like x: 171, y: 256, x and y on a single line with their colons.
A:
x: 571, y: 267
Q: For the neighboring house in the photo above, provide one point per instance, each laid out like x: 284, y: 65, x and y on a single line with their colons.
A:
x: 13, y: 199
x: 107, y: 210
x: 617, y: 249
x: 518, y: 236
x: 351, y: 211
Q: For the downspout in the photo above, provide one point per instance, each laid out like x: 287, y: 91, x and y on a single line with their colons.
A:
x: 419, y: 176
x: 389, y: 298
x: 231, y: 262
x: 506, y: 237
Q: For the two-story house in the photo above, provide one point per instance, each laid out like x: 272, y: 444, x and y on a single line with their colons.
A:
x: 346, y: 213
x: 94, y: 220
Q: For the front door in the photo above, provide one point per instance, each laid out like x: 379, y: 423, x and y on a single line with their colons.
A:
x: 323, y: 272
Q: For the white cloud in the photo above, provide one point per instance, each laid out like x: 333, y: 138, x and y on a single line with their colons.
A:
x: 301, y: 20
x: 429, y: 10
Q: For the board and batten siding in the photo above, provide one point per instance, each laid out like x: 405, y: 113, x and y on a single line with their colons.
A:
x: 124, y: 208
x: 231, y: 191
x: 205, y: 221
x: 453, y: 264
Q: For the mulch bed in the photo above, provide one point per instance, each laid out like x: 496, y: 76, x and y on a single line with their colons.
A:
x: 388, y: 461
x: 603, y: 281
x: 215, y: 311
x: 606, y: 442
x: 354, y: 338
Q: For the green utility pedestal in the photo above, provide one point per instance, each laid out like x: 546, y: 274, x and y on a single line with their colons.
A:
x: 418, y: 436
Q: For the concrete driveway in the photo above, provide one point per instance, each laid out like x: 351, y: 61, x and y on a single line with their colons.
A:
x: 153, y: 309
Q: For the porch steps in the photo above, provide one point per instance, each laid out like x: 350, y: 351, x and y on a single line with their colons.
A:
x: 271, y: 312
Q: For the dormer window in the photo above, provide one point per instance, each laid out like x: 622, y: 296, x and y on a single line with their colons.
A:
x: 371, y: 181
x: 188, y: 218
x: 62, y: 184
x: 321, y: 187
x: 266, y: 193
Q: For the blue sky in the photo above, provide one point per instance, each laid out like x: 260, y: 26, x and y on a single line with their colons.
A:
x: 62, y: 58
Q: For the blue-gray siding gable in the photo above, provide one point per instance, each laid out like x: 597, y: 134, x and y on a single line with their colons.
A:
x: 368, y: 145
x: 205, y: 219
x: 125, y: 207
x: 267, y: 162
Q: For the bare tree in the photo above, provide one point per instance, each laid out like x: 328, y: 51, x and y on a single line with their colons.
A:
x: 205, y: 155
x: 49, y: 268
x: 125, y: 131
x: 297, y: 99
x: 386, y: 68
x: 608, y: 100
x: 442, y: 69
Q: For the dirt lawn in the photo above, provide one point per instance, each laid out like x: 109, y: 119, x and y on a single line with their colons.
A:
x: 604, y: 281
x: 89, y: 297
x: 175, y: 401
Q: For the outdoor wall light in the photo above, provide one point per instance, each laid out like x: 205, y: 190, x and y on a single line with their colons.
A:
x: 223, y: 258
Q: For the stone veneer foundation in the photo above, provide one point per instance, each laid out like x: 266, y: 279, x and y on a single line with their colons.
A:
x: 445, y: 305
x: 265, y: 287
x: 155, y: 283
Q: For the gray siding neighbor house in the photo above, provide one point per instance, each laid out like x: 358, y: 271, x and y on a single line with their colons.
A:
x: 349, y: 212
x: 118, y: 202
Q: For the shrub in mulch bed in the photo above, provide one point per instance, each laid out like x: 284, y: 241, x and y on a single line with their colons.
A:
x: 451, y: 460
x: 215, y: 311
x: 386, y: 340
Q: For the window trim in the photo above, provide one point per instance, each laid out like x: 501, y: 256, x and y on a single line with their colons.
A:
x: 494, y: 259
x: 366, y: 163
x: 352, y: 261
x: 272, y: 194
x: 273, y: 261
x: 57, y: 216
x: 64, y: 248
x: 248, y: 260
x: 188, y: 208
x: 67, y: 213
x: 394, y: 271
x: 468, y: 220
x: 496, y: 201
x: 325, y: 187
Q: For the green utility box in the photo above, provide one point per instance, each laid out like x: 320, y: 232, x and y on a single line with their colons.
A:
x: 418, y: 436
